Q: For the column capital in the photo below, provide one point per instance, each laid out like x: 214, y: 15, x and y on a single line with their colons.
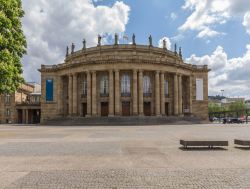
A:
x: 93, y: 71
x: 111, y: 71
x: 157, y: 71
x: 135, y: 70
x: 162, y: 72
x: 117, y: 70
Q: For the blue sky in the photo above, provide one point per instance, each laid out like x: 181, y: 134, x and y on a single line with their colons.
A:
x: 212, y: 32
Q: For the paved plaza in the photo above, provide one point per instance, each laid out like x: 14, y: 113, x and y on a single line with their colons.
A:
x: 42, y: 157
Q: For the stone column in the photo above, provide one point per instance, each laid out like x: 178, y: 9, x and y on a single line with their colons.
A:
x: 180, y: 95
x: 176, y: 106
x: 60, y: 95
x: 163, y: 93
x: 27, y: 116
x: 190, y: 94
x: 70, y: 88
x: 141, y: 93
x: 111, y: 93
x: 94, y: 108
x: 74, y: 95
x: 23, y: 116
x: 88, y: 94
x: 135, y: 96
x: 157, y: 94
x: 117, y: 93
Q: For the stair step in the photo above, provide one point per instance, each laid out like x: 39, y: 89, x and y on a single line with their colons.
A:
x: 152, y: 120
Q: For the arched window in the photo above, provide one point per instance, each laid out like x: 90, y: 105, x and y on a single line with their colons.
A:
x: 125, y: 85
x: 166, y: 88
x: 147, y: 85
x: 84, y: 85
x: 104, y: 88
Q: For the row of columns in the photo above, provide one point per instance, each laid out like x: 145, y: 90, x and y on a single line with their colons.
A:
x: 137, y: 93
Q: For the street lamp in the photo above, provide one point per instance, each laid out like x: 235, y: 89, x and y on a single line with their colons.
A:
x: 222, y: 92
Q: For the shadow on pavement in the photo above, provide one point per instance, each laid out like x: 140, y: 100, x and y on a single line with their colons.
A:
x: 202, y: 149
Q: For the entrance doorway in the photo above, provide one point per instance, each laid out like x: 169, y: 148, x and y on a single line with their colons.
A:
x: 147, y: 108
x: 20, y: 116
x: 104, y: 109
x: 84, y: 109
x: 166, y: 108
x: 125, y: 108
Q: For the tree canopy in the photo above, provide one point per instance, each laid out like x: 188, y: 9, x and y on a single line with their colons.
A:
x: 12, y: 45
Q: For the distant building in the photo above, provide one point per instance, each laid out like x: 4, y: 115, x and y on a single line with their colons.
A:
x: 23, y: 106
x: 247, y: 104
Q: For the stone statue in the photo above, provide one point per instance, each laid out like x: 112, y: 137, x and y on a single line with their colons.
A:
x: 175, y: 49
x: 99, y: 40
x: 133, y: 39
x: 164, y: 44
x: 116, y: 39
x: 150, y: 41
x: 72, y: 48
x: 67, y: 51
x: 180, y: 53
x: 84, y: 44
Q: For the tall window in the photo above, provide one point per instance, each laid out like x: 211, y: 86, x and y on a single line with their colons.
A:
x: 146, y: 85
x: 8, y: 112
x: 7, y: 98
x: 166, y: 88
x: 104, y: 88
x: 125, y: 85
x: 84, y: 86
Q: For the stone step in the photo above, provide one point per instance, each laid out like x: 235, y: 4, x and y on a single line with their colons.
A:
x: 112, y: 121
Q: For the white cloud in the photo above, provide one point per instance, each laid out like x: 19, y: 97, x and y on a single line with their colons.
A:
x: 173, y: 16
x: 52, y: 25
x: 207, y: 32
x: 246, y: 22
x: 160, y: 42
x: 207, y: 14
x: 231, y: 75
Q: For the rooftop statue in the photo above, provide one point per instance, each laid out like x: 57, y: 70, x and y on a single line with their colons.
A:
x: 67, y: 51
x: 133, y: 39
x: 164, y: 44
x: 99, y: 40
x: 116, y: 39
x: 150, y: 41
x: 84, y: 44
x: 72, y: 48
x: 180, y: 52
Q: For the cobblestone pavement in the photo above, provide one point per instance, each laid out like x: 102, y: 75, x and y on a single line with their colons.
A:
x: 147, y: 178
x: 39, y: 157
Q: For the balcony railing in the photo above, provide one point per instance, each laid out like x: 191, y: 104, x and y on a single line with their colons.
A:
x: 126, y: 94
x: 28, y: 103
x: 104, y: 94
x: 147, y: 94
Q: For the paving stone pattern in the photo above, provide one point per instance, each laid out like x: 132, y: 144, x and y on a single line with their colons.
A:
x: 144, y: 179
x: 124, y: 157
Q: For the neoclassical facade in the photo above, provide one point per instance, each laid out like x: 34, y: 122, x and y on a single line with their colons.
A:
x: 123, y: 80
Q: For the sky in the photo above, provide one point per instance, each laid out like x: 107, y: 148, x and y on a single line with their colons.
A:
x: 211, y: 32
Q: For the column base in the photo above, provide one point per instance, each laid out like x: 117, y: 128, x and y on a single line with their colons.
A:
x: 141, y: 115
x: 111, y: 115
x: 88, y: 115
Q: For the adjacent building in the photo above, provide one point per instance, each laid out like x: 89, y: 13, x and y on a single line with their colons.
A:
x: 123, y: 80
x: 23, y: 106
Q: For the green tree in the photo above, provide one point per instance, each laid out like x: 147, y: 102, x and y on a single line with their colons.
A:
x: 12, y: 45
x: 238, y: 106
x: 213, y: 107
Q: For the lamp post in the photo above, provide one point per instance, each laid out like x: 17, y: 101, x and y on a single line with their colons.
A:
x: 222, y: 92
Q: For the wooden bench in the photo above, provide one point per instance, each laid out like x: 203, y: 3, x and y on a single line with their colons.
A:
x: 208, y: 143
x: 242, y: 142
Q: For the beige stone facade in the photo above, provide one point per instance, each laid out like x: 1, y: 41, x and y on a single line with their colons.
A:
x: 23, y: 106
x: 124, y: 80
